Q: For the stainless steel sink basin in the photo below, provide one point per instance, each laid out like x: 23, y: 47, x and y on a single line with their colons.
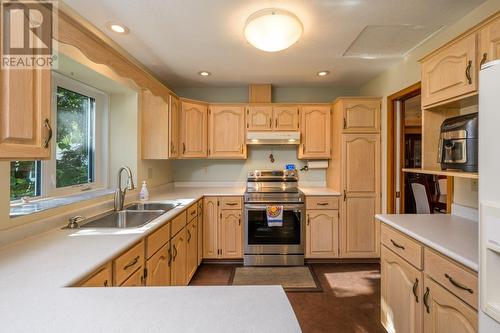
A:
x: 152, y: 206
x: 124, y: 219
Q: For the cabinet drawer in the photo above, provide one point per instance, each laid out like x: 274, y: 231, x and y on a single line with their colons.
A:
x: 192, y: 212
x: 322, y: 203
x: 404, y: 246
x: 457, y: 279
x: 128, y: 263
x: 230, y: 202
x: 178, y: 223
x: 134, y: 280
x: 101, y: 278
x: 157, y: 239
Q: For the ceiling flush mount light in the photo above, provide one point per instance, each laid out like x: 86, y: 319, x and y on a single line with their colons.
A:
x: 323, y: 73
x: 273, y: 30
x: 118, y: 28
x: 204, y: 73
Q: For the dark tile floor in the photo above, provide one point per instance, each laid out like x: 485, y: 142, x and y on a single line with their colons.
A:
x: 349, y: 302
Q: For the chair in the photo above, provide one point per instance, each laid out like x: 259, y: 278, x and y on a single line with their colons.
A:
x: 443, y: 185
x: 422, y: 203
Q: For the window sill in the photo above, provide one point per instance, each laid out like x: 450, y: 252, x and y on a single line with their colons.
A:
x: 41, y: 205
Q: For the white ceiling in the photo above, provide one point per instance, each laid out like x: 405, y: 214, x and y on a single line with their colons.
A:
x: 176, y: 39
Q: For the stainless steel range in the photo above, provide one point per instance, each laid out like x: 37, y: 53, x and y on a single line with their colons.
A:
x: 268, y: 243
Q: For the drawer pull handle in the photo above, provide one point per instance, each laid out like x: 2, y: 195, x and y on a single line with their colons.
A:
x: 467, y: 72
x: 231, y: 203
x: 322, y: 203
x: 426, y: 300
x: 397, y: 245
x: 415, y: 287
x: 458, y: 284
x: 132, y: 263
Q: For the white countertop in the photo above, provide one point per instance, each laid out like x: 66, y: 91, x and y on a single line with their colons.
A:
x: 315, y: 191
x: 35, y: 271
x: 451, y: 235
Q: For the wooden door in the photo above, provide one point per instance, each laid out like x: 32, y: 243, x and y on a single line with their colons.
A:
x: 159, y: 267
x: 260, y: 118
x: 200, y: 231
x: 154, y: 126
x: 451, y: 72
x: 226, y: 130
x: 401, y: 294
x: 489, y: 42
x: 286, y: 118
x: 192, y: 249
x: 210, y: 218
x: 361, y: 115
x: 231, y: 234
x: 322, y: 232
x: 174, y: 126
x: 135, y: 280
x: 315, y: 132
x: 360, y: 231
x: 25, y: 114
x: 193, y: 130
x: 179, y: 259
x: 445, y: 313
x: 102, y: 278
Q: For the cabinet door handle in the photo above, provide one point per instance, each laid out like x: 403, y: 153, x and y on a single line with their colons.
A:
x: 483, y: 60
x: 415, y: 287
x: 172, y: 148
x: 105, y: 283
x: 189, y: 236
x: 183, y: 147
x: 458, y: 284
x: 169, y: 261
x: 46, y: 142
x: 276, y: 123
x: 399, y: 246
x: 426, y: 300
x: 175, y: 253
x: 270, y: 122
x: 467, y: 72
x: 345, y: 196
x: 308, y: 220
x: 239, y: 220
x: 345, y: 124
x: 132, y: 263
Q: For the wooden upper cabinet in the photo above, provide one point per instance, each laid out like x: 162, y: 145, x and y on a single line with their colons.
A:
x: 322, y: 234
x: 286, y: 118
x: 489, y: 42
x: 231, y: 234
x: 174, y: 126
x: 154, y: 126
x: 210, y: 218
x: 450, y: 73
x: 193, y: 131
x: 361, y: 115
x: 315, y: 132
x: 25, y: 114
x: 260, y: 118
x: 226, y: 131
x: 401, y: 293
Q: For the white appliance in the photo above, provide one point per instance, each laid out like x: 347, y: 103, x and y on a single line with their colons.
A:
x: 489, y: 197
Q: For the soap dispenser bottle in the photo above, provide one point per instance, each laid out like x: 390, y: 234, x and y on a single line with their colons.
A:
x: 144, y: 194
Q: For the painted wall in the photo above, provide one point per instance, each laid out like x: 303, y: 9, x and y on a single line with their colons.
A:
x: 407, y: 72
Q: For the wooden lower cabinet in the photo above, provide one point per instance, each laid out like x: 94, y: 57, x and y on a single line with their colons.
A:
x: 158, y: 267
x: 102, y: 278
x: 179, y: 259
x: 445, y: 313
x: 401, y: 294
x: 322, y: 232
x: 192, y: 249
x: 210, y: 218
x: 135, y: 280
x: 231, y: 234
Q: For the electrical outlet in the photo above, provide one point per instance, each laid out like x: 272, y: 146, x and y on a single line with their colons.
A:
x: 474, y: 185
x: 150, y: 173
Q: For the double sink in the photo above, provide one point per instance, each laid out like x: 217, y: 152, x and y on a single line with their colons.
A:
x: 133, y: 216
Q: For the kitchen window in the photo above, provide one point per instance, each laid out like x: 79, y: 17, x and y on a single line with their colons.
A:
x: 79, y: 152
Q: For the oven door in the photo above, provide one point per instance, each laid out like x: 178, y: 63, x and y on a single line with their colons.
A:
x: 263, y: 239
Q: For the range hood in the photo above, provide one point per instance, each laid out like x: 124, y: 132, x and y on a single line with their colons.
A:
x: 273, y: 138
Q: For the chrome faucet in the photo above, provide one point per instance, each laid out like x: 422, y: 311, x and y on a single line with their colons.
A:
x: 119, y: 193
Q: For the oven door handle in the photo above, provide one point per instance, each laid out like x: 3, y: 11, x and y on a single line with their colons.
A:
x: 295, y: 208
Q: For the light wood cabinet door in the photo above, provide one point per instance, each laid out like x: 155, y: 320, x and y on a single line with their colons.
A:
x: 231, y: 234
x: 193, y: 131
x: 210, y: 224
x: 445, y: 313
x: 154, y: 126
x: 200, y: 231
x: 401, y: 294
x: 25, y: 114
x: 260, y: 118
x: 315, y: 132
x: 361, y: 115
x: 135, y: 280
x: 360, y: 231
x: 179, y: 259
x: 450, y: 73
x: 286, y: 118
x: 322, y: 234
x: 489, y: 42
x: 226, y: 130
x: 102, y: 278
x: 174, y: 126
x: 159, y: 267
x: 192, y: 248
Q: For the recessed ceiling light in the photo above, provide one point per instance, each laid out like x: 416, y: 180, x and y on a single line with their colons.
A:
x: 323, y: 73
x: 204, y: 73
x: 118, y: 28
x: 273, y: 30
